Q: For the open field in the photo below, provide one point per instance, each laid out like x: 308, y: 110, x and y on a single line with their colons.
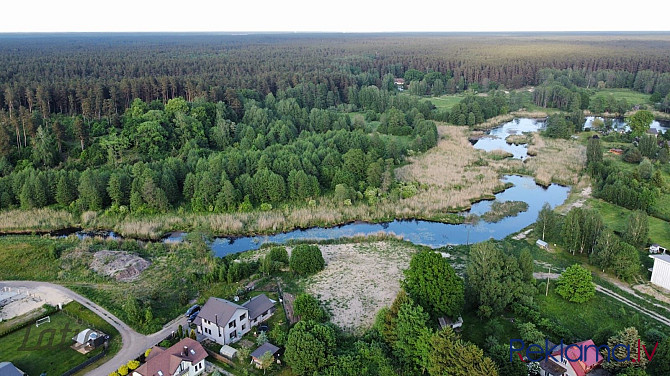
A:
x: 631, y: 96
x: 359, y: 280
x: 446, y: 102
x: 615, y: 218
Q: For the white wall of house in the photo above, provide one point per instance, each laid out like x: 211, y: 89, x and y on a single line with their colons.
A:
x: 196, y: 369
x: 229, y: 332
x: 660, y: 276
x: 266, y: 315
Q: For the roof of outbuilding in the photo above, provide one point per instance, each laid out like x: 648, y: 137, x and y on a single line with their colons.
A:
x: 262, y: 349
x: 9, y: 369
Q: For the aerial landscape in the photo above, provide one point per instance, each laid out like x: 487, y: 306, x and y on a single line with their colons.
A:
x: 334, y: 203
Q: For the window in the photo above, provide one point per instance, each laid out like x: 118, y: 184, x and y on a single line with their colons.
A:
x: 242, y: 316
x: 233, y: 335
x: 232, y: 324
x: 264, y: 313
x: 244, y: 327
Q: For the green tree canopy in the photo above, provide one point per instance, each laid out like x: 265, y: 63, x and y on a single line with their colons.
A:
x: 306, y: 259
x: 640, y: 121
x: 433, y: 284
x: 308, y: 308
x: 576, y: 284
x: 310, y: 347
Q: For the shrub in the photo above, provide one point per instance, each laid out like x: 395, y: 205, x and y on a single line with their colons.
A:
x: 306, y: 259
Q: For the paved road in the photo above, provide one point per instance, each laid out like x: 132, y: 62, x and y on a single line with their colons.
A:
x: 134, y: 343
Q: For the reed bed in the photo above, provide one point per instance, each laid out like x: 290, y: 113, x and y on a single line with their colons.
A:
x: 45, y: 219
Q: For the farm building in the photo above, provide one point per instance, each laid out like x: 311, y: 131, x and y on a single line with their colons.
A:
x: 542, y: 244
x: 660, y: 275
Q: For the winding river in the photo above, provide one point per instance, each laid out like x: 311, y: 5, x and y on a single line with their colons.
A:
x: 432, y: 234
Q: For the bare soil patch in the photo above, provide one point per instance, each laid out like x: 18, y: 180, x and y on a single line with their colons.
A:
x: 359, y: 280
x: 17, y: 301
x: 120, y: 265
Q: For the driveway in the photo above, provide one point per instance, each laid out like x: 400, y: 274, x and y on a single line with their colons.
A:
x: 134, y: 343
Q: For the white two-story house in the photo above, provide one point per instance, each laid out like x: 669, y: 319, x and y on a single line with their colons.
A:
x: 185, y: 358
x: 225, y: 322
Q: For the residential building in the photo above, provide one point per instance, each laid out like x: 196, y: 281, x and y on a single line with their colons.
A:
x: 586, y: 353
x: 185, y: 358
x: 660, y: 275
x: 9, y: 369
x: 222, y: 321
x: 225, y: 322
x: 260, y: 309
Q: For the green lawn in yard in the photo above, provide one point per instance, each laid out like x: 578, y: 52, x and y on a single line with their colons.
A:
x: 45, y: 348
x: 615, y: 218
x: 632, y: 97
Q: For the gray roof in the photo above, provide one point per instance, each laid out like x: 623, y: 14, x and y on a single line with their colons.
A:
x: 8, y: 369
x: 552, y: 368
x: 262, y: 349
x: 663, y: 257
x: 257, y: 305
x: 218, y: 310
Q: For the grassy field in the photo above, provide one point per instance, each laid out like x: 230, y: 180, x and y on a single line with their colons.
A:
x: 446, y: 102
x: 47, y: 348
x: 599, y: 315
x: 632, y: 97
x: 615, y: 218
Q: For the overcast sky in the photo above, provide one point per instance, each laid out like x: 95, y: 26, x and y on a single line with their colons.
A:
x: 337, y: 15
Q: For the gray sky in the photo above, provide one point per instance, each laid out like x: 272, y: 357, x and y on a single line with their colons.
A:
x: 339, y: 15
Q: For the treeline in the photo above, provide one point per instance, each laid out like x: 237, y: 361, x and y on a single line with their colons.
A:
x: 102, y: 74
x: 205, y: 156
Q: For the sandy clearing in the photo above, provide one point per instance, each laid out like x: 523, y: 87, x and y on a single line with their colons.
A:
x: 359, y: 280
x: 24, y: 299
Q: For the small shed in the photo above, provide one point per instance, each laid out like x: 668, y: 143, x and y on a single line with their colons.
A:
x: 228, y: 352
x: 542, y: 244
x: 448, y: 322
x: 262, y: 349
x: 655, y: 248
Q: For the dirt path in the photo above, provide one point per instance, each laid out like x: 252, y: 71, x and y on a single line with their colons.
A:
x: 133, y: 343
x: 663, y: 319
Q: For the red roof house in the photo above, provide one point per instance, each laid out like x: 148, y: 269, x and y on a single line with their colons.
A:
x: 586, y: 355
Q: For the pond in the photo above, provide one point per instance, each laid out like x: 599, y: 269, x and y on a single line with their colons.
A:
x: 432, y: 234
x: 495, y: 138
x: 620, y: 123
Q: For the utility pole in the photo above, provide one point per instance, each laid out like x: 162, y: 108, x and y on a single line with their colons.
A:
x: 547, y: 292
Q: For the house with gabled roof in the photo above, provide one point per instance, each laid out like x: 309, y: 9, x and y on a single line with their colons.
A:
x: 185, y: 358
x: 561, y: 362
x: 225, y: 322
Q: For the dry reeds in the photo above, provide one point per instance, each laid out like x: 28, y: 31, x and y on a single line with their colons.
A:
x: 35, y: 220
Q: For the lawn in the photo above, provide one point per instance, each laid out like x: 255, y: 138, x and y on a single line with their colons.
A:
x: 632, y: 97
x: 597, y: 318
x: 615, y: 218
x: 45, y: 348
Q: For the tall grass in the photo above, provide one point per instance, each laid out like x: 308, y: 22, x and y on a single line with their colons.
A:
x: 45, y: 219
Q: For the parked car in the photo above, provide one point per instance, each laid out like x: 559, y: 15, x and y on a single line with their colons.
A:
x: 193, y: 316
x: 262, y: 328
x: 192, y: 310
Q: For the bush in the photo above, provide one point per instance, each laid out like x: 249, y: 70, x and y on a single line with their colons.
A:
x: 306, y: 259
x: 308, y: 308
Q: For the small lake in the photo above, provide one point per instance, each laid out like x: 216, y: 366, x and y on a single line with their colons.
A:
x: 495, y: 138
x: 432, y: 234
x: 620, y: 123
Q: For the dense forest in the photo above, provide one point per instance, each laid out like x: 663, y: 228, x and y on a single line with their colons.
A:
x: 219, y: 123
